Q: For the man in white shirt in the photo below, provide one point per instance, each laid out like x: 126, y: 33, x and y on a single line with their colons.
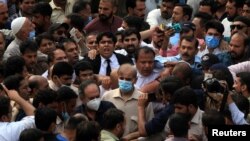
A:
x: 10, y: 131
x: 162, y: 15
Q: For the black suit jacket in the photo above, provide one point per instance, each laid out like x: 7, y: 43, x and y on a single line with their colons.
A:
x: 96, y: 63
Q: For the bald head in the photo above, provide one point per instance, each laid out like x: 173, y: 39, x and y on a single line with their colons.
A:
x: 38, y: 82
x: 183, y: 71
x: 127, y: 68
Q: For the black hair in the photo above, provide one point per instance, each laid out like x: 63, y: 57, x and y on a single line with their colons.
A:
x: 185, y: 96
x: 88, y: 130
x: 82, y: 66
x: 216, y: 25
x: 112, y: 117
x: 62, y: 68
x: 187, y: 10
x: 170, y: 84
x: 14, y: 65
x: 42, y: 8
x: 131, y: 31
x: 204, y: 18
x: 45, y: 97
x: 213, y: 117
x: 179, y: 124
x: 31, y: 134
x: 76, y: 21
x: 28, y: 46
x: 244, y: 79
x: 13, y: 82
x: 106, y: 34
x: 44, y: 117
x: 4, y: 106
x: 64, y: 94
x: 42, y: 36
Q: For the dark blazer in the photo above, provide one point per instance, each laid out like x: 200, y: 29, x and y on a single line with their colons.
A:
x: 97, y: 61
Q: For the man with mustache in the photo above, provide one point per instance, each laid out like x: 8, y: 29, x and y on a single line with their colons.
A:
x: 162, y: 15
x: 106, y: 21
x: 238, y: 50
x: 187, y: 52
x: 233, y: 9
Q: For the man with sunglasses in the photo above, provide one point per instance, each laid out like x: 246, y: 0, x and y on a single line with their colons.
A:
x: 240, y: 23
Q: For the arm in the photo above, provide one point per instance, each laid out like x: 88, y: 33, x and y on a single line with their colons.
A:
x: 240, y: 67
x: 237, y: 115
x: 141, y: 114
x: 26, y: 106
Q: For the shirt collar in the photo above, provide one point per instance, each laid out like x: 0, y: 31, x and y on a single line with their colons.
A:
x: 112, y: 59
x: 197, y: 117
x: 135, y: 94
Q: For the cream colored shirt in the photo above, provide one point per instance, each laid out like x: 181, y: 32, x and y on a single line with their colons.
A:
x: 58, y: 14
x: 129, y: 107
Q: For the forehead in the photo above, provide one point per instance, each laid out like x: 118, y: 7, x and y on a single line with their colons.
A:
x: 185, y: 42
x: 131, y: 36
x: 178, y: 9
x: 59, y: 52
x: 239, y: 22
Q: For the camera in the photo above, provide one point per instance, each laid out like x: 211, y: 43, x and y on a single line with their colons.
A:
x: 213, y: 85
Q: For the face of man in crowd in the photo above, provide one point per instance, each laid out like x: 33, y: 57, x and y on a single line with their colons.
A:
x: 199, y: 31
x: 91, y: 42
x: 72, y: 52
x: 236, y: 46
x: 177, y: 14
x: 119, y: 44
x: 237, y: 85
x: 246, y: 11
x: 106, y: 10
x: 91, y: 92
x: 27, y: 5
x: 30, y: 58
x: 231, y: 11
x: 47, y: 46
x: 3, y: 14
x: 157, y: 38
x: 86, y: 75
x: 145, y: 63
x: 188, y: 51
x: 238, y: 26
x: 27, y: 27
x: 139, y: 9
x: 59, y: 56
x: 24, y: 89
x: 38, y: 21
x: 131, y: 43
x: 106, y: 47
x: 167, y: 9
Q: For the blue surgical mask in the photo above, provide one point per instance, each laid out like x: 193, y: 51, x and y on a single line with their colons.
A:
x: 32, y: 35
x: 212, y: 41
x: 125, y: 86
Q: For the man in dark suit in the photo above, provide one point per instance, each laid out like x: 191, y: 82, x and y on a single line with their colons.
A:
x: 107, y: 59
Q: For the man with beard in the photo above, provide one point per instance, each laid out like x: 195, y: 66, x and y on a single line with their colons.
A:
x: 233, y: 9
x: 60, y: 8
x: 41, y: 17
x: 71, y: 50
x: 28, y: 50
x: 162, y: 15
x: 220, y: 13
x: 238, y: 50
x: 106, y: 21
x: 136, y: 8
x: 131, y: 39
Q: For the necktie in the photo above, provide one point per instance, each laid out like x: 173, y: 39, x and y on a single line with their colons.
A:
x: 108, y: 69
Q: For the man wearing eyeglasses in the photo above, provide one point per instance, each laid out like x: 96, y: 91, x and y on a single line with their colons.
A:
x: 241, y: 24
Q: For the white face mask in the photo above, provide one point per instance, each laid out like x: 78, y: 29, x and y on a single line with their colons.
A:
x: 94, y: 104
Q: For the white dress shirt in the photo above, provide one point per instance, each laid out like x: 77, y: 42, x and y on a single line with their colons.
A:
x: 114, y: 64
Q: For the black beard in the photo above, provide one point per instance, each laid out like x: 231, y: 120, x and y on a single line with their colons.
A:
x: 231, y: 18
x: 130, y: 49
x: 105, y: 18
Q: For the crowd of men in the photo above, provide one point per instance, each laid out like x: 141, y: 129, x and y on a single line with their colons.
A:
x: 110, y: 70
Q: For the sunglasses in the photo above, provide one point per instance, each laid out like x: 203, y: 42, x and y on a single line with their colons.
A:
x: 239, y: 27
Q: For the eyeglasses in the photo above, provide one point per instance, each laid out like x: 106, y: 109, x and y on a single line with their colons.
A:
x: 239, y: 27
